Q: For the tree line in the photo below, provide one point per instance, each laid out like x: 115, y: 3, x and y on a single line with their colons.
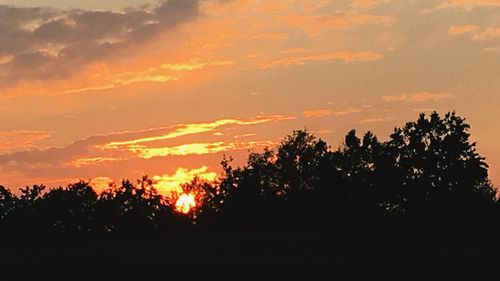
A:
x: 428, y: 170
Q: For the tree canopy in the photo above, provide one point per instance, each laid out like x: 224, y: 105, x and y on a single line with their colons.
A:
x: 427, y: 170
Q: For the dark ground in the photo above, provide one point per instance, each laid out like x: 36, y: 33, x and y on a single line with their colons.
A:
x: 402, y: 252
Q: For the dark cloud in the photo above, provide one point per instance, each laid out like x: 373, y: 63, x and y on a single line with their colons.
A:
x: 174, y: 11
x: 12, y: 17
x: 51, y: 44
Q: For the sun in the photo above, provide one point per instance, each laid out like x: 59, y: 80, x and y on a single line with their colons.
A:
x: 185, y: 203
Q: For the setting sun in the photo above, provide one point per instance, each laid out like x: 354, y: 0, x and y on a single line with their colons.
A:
x: 185, y: 203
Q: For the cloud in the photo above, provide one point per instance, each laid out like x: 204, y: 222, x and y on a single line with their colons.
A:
x: 368, y: 4
x: 167, y: 184
x: 462, y: 29
x: 418, y: 97
x: 294, y: 51
x: 467, y: 4
x: 487, y: 34
x: 195, y: 65
x: 347, y: 57
x: 317, y: 113
x: 425, y: 109
x: 323, y: 132
x: 276, y: 36
x: 184, y: 66
x: 123, y: 80
x: 93, y: 161
x: 244, y: 135
x: 119, y: 152
x: 195, y: 128
x: 146, y: 152
x: 492, y: 49
x: 16, y: 140
x: 477, y: 33
x: 314, y: 25
x: 44, y: 44
x: 6, y: 59
x: 348, y: 111
x: 376, y: 120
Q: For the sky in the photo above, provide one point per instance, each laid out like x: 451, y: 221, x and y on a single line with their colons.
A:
x: 105, y: 90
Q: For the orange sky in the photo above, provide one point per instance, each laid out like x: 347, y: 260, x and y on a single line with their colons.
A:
x: 104, y: 90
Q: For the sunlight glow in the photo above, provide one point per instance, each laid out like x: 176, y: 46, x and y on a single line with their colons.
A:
x: 185, y: 203
x: 198, y: 148
x: 196, y: 128
x: 100, y: 184
x: 171, y: 184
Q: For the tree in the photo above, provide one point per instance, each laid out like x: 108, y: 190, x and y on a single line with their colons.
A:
x: 303, y: 165
x: 441, y: 172
x: 253, y: 193
x: 7, y: 203
x: 70, y: 211
x: 25, y: 219
x: 279, y: 188
x: 358, y: 192
x: 131, y: 210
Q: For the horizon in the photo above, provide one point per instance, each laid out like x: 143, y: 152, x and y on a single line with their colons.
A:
x: 103, y: 91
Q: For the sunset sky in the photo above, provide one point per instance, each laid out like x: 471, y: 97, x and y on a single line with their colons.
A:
x: 104, y: 90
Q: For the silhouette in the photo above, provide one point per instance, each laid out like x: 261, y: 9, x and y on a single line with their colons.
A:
x: 441, y: 173
x: 426, y: 171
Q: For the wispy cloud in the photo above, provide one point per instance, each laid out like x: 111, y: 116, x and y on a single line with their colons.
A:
x: 317, y: 113
x: 197, y: 128
x: 123, y: 80
x: 476, y: 32
x: 418, y: 97
x: 198, y: 148
x: 376, y: 120
x: 425, y: 109
x: 368, y: 4
x: 492, y: 49
x: 348, y: 111
x: 462, y: 29
x: 323, y: 132
x: 195, y: 65
x: 314, y: 25
x: 487, y: 34
x: 347, y: 57
x: 124, y: 150
x: 294, y: 51
x: 467, y: 4
x: 93, y: 161
x: 16, y: 140
x: 276, y: 36
x: 244, y: 135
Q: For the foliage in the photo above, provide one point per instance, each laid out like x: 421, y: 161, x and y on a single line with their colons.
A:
x: 427, y: 170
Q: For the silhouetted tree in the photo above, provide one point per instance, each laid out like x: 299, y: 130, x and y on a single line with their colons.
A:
x: 279, y: 188
x: 70, y: 211
x: 208, y: 196
x: 130, y: 209
x: 441, y: 172
x: 428, y: 169
x: 358, y: 192
x: 7, y: 203
x: 25, y: 219
x: 301, y: 163
x: 252, y: 193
